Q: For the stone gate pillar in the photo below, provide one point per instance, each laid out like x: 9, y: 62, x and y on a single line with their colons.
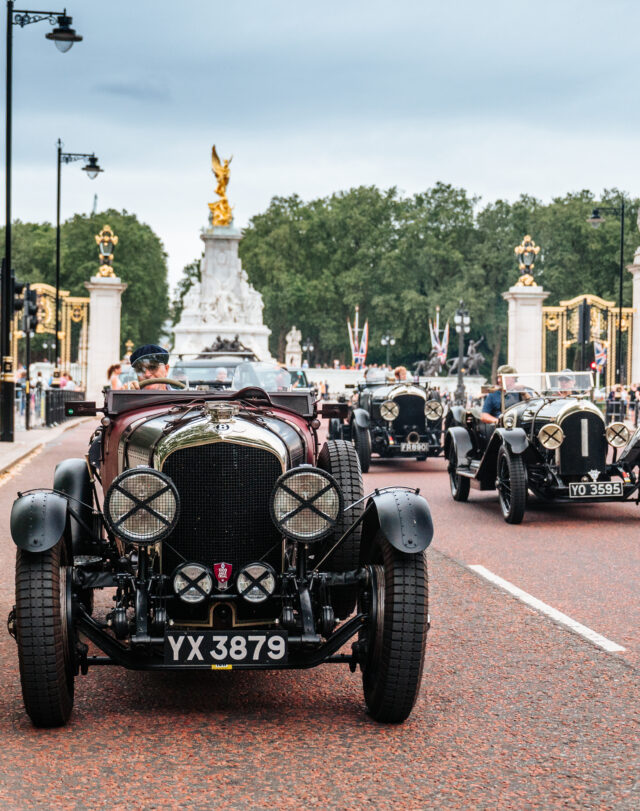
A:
x: 634, y: 270
x: 525, y: 327
x: 104, y: 330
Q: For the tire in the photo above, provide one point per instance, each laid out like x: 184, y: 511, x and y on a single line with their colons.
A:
x: 397, y: 636
x: 511, y: 481
x: 339, y: 458
x: 459, y: 485
x: 45, y: 641
x: 362, y: 441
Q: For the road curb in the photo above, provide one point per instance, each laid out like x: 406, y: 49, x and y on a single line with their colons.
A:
x: 65, y: 427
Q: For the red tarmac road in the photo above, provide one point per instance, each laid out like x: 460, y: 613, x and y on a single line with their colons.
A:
x: 515, y: 711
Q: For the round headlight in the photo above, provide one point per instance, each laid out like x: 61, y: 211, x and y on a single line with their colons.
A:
x: 433, y: 410
x: 551, y: 436
x: 142, y: 505
x: 617, y: 434
x: 192, y: 582
x: 256, y: 582
x: 389, y: 410
x: 306, y: 503
x: 509, y: 421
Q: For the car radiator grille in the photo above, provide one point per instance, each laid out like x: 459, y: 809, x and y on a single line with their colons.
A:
x: 411, y: 413
x: 585, y: 446
x: 224, y: 506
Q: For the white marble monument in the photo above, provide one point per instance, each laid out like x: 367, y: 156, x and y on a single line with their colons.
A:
x: 293, y: 349
x: 524, y: 349
x: 224, y: 303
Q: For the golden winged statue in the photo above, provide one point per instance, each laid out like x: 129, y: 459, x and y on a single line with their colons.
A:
x: 221, y: 213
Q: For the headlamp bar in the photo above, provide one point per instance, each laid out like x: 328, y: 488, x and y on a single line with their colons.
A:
x: 305, y: 503
x: 142, y: 504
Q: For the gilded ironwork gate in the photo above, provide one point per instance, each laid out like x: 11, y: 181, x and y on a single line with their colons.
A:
x: 73, y: 334
x: 561, y: 327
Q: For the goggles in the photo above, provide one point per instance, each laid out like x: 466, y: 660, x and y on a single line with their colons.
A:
x: 150, y: 362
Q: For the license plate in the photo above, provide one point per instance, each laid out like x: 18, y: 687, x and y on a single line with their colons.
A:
x: 414, y: 447
x: 594, y: 489
x: 221, y: 650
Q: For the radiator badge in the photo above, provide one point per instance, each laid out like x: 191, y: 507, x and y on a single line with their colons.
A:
x: 222, y: 571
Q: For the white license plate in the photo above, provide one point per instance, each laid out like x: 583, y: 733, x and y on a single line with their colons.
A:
x: 221, y: 650
x: 595, y: 489
x: 414, y: 447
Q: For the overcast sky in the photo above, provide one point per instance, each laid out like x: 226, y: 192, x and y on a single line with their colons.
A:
x: 500, y: 97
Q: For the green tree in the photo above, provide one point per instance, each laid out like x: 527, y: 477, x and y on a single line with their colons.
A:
x: 190, y: 275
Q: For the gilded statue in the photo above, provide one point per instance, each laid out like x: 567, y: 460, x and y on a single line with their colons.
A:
x: 221, y: 213
x: 105, y: 241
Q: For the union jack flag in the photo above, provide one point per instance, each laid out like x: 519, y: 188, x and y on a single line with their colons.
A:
x: 440, y: 345
x: 600, y: 352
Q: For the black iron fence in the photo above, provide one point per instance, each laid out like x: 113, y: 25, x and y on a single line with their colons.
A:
x: 46, y: 406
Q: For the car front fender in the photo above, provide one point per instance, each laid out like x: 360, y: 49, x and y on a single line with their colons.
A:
x: 402, y: 516
x: 360, y: 417
x: 38, y: 521
x: 458, y: 438
x: 515, y: 438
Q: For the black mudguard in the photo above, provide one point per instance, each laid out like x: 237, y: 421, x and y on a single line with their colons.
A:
x: 360, y: 417
x: 404, y: 519
x: 72, y: 478
x: 459, y: 438
x: 38, y: 521
x: 515, y: 439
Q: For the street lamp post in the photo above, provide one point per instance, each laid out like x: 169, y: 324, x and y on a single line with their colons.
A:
x: 388, y: 341
x: 462, y: 322
x: 63, y: 36
x: 307, y: 348
x: 596, y: 219
x: 93, y: 170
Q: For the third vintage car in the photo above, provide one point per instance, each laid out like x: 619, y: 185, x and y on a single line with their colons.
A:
x: 391, y: 419
x: 225, y: 537
x: 551, y: 440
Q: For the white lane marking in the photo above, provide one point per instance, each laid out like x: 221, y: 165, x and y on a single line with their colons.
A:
x: 558, y: 616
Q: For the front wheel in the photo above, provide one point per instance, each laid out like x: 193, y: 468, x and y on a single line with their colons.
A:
x: 44, y: 634
x: 396, y: 635
x: 512, y: 485
x: 362, y: 441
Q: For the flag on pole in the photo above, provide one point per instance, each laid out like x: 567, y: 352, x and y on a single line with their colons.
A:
x: 439, y: 344
x: 352, y: 344
x: 361, y: 355
x: 600, y: 353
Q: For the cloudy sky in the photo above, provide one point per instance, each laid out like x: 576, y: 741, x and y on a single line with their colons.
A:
x: 501, y: 97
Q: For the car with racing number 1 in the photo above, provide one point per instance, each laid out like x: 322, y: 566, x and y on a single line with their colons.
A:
x: 550, y: 439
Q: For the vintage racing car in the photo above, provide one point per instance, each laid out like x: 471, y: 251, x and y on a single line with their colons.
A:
x: 551, y: 439
x: 391, y: 419
x: 227, y: 539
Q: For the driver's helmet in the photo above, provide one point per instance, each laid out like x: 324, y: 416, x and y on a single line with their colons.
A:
x: 148, y: 357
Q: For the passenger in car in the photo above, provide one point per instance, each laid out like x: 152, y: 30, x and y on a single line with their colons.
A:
x: 492, y: 406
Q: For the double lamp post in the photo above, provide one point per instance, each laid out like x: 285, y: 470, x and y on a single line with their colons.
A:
x: 64, y: 36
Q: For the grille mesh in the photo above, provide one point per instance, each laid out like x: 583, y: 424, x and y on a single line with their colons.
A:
x: 411, y: 413
x: 224, y: 496
x: 572, y: 460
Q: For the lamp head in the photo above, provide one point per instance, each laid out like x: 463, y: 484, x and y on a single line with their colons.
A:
x: 92, y: 169
x: 64, y: 36
x: 595, y: 219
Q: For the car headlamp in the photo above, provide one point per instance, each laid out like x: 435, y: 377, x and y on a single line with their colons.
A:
x: 306, y: 503
x: 256, y: 582
x: 433, y: 410
x: 192, y: 582
x: 617, y: 434
x: 551, y: 436
x: 142, y: 505
x: 509, y: 420
x: 389, y: 410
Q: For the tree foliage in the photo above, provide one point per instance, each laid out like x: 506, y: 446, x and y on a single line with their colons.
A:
x: 398, y: 258
x: 139, y: 260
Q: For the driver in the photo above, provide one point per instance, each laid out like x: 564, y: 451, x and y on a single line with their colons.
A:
x: 566, y: 383
x: 492, y: 406
x: 149, y: 361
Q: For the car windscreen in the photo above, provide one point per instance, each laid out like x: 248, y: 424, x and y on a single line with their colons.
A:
x: 265, y: 376
x: 205, y: 374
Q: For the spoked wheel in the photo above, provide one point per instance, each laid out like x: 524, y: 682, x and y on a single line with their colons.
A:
x: 512, y: 485
x: 396, y: 635
x: 339, y: 458
x: 459, y: 484
x: 362, y: 441
x: 44, y: 632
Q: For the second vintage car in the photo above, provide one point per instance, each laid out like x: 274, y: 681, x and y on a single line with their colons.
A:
x: 551, y: 440
x: 227, y: 538
x: 391, y: 419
